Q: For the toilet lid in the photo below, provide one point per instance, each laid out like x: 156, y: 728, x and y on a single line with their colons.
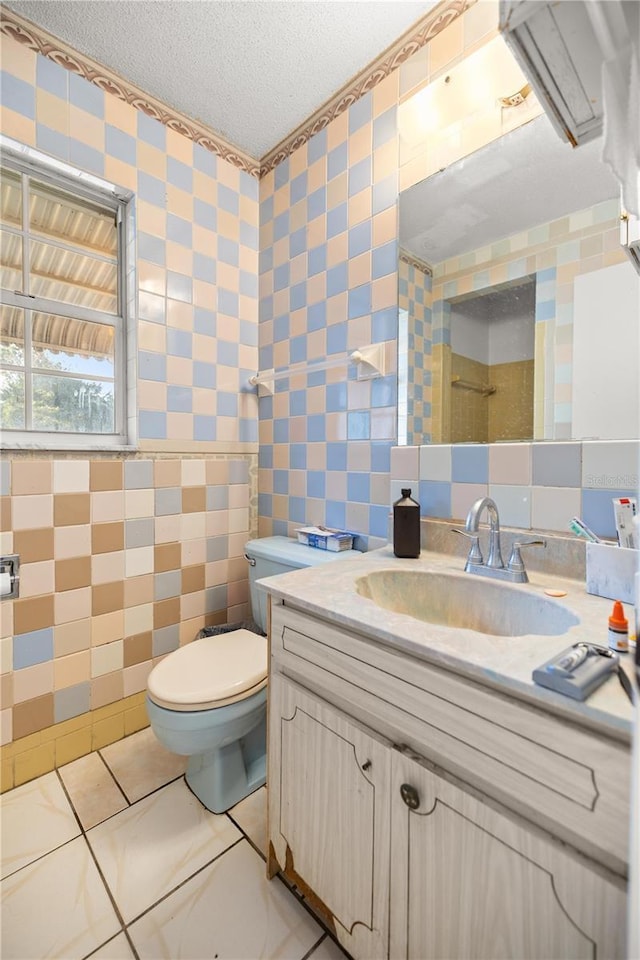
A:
x: 210, y: 671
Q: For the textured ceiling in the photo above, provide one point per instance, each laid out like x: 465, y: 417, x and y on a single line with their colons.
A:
x: 528, y: 177
x: 252, y: 70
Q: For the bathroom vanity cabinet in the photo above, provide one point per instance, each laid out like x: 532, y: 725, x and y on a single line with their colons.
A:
x: 425, y: 815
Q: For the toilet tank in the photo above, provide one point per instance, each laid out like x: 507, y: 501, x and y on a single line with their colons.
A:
x: 269, y: 556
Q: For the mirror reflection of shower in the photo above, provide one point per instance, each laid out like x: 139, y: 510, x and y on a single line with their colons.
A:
x: 466, y: 370
x: 489, y: 396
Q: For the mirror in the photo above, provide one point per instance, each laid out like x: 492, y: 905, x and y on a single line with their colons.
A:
x: 518, y: 309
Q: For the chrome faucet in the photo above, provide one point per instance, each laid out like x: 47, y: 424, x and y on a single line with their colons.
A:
x: 494, y: 566
x: 494, y: 560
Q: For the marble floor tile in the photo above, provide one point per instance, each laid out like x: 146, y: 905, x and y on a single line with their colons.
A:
x: 228, y: 910
x: 93, y: 791
x: 146, y: 850
x: 328, y: 950
x: 116, y: 949
x: 141, y: 764
x: 251, y: 816
x: 36, y: 818
x: 56, y: 907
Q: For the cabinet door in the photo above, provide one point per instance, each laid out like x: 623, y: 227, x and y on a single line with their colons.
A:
x: 329, y: 815
x: 468, y: 881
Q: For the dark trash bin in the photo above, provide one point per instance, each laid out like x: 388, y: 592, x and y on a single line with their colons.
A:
x: 229, y: 628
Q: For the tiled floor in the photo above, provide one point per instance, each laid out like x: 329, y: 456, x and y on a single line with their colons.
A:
x: 113, y: 857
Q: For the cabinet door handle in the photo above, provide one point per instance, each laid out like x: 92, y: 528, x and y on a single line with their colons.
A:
x: 366, y: 765
x: 410, y: 796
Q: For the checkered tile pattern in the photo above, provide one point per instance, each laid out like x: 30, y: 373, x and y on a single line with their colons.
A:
x: 124, y: 561
x: 121, y: 562
x: 328, y: 285
x: 414, y: 297
x: 197, y: 240
x: 556, y: 253
x: 539, y: 486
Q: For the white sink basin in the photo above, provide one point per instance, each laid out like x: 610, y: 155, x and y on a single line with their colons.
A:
x: 462, y: 601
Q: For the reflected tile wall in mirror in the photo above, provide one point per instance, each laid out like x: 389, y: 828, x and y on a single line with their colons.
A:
x: 414, y: 349
x: 555, y: 253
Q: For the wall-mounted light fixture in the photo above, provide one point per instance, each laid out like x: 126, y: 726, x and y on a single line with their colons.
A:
x: 516, y: 98
x: 477, y: 100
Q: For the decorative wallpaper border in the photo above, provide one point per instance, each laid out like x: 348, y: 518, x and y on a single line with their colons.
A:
x: 391, y: 59
x: 420, y: 265
x: 44, y: 43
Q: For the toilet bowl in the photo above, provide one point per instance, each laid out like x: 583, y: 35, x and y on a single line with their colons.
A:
x: 207, y: 700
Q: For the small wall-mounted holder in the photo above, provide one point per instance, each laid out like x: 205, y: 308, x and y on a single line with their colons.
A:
x: 370, y: 360
x: 10, y: 577
x: 266, y: 387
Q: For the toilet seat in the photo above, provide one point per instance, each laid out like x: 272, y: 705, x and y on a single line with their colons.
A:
x: 210, y: 672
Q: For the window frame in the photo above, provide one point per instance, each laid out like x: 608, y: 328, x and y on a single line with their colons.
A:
x: 28, y: 162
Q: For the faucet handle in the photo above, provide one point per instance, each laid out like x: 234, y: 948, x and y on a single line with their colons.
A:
x: 475, y: 553
x: 515, y: 563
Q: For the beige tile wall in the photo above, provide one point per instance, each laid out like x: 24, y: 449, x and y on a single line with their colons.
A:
x: 121, y: 562
x: 511, y: 406
x: 469, y: 408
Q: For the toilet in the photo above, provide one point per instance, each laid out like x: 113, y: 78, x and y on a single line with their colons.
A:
x: 207, y: 700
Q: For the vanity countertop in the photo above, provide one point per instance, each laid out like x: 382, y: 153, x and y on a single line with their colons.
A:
x: 505, y: 663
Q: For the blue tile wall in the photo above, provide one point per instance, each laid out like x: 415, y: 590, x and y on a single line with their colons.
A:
x: 248, y: 430
x: 470, y: 461
x: 120, y: 145
x: 86, y: 157
x: 52, y: 77
x: 152, y: 424
x: 32, y: 648
x: 152, y: 132
x: 86, y: 96
x: 52, y: 142
x: 228, y: 199
x: 151, y: 189
x: 179, y: 174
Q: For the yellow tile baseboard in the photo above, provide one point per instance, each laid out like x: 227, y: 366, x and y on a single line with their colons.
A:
x: 41, y: 752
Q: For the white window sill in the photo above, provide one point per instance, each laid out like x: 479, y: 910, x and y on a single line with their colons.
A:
x: 70, y: 446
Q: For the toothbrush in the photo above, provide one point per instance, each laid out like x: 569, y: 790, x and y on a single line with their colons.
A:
x: 581, y: 530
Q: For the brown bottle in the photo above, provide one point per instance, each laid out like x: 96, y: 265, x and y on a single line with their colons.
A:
x: 406, y: 526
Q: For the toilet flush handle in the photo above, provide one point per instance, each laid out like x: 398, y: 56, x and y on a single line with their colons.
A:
x: 250, y: 560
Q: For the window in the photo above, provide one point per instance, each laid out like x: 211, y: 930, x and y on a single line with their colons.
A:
x: 64, y: 303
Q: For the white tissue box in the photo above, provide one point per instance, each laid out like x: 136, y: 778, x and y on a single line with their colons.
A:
x: 325, y: 538
x: 611, y: 571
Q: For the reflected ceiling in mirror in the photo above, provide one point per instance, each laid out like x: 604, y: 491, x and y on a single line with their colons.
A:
x: 526, y: 207
x: 525, y: 178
